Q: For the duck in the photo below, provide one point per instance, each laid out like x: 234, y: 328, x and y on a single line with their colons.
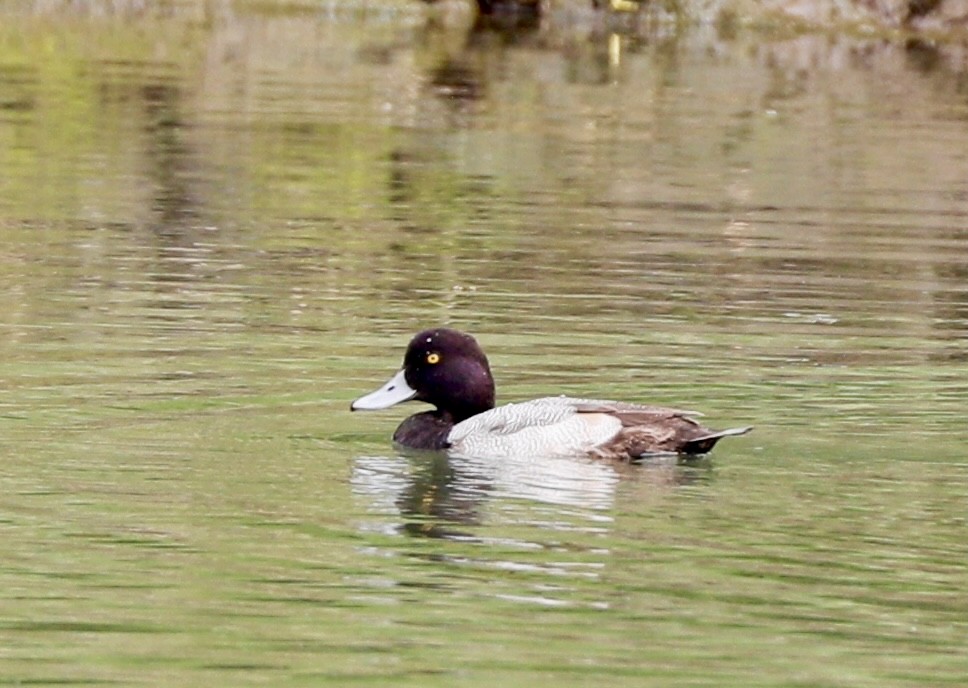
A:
x: 448, y: 369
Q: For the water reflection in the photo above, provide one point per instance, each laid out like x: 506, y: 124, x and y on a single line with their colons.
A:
x: 433, y: 493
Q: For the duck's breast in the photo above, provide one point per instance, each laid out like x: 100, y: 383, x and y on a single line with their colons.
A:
x: 544, y: 427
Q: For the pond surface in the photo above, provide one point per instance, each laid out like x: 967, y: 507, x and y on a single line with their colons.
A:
x: 220, y: 227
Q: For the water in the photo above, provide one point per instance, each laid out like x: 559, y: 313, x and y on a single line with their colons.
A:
x: 219, y: 228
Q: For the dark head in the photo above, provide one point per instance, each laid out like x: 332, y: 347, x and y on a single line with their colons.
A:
x: 442, y: 367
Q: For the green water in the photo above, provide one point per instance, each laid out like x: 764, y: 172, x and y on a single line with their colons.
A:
x: 217, y: 228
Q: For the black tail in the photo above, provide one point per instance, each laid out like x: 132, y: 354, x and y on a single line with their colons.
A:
x: 701, y: 445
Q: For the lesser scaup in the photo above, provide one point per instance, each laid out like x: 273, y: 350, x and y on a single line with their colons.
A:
x: 448, y: 369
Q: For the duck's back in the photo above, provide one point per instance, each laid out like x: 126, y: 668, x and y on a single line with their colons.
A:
x: 553, y: 426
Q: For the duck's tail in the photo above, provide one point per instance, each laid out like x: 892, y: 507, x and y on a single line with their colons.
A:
x: 701, y: 445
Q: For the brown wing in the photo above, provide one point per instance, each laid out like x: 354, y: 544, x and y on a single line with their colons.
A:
x: 633, y: 415
x: 651, y: 430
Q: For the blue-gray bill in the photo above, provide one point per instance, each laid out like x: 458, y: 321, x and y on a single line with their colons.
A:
x: 395, y: 391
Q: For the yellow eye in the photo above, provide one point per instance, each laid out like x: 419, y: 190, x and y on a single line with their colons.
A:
x: 433, y: 358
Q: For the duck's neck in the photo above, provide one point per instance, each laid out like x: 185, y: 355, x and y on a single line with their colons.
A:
x: 458, y: 413
x: 466, y: 394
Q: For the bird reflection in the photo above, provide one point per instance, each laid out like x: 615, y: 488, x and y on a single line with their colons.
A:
x: 435, y: 494
x: 438, y: 494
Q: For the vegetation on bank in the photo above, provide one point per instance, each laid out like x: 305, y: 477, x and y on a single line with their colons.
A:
x: 937, y: 17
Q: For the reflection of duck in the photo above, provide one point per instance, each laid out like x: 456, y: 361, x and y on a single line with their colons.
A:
x: 441, y: 496
x: 432, y: 495
x: 436, y: 489
x: 448, y: 369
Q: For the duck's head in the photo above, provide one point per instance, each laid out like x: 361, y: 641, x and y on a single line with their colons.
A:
x: 442, y: 367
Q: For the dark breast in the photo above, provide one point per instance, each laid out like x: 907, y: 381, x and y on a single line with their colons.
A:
x: 427, y: 430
